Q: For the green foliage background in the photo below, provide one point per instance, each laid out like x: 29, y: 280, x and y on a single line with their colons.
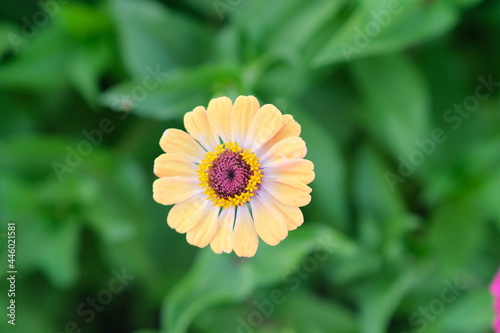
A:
x: 391, y: 249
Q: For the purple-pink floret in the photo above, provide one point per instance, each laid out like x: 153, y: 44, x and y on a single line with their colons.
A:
x: 229, y: 174
x: 495, y: 291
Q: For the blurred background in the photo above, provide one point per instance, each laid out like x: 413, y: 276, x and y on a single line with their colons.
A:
x: 399, y: 105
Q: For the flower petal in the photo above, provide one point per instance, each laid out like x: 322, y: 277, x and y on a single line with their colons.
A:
x: 170, y: 165
x: 197, y: 125
x: 297, y: 168
x: 289, y: 192
x: 219, y: 116
x: 291, y: 147
x: 292, y: 215
x: 246, y: 240
x: 185, y: 215
x: 179, y: 142
x: 171, y: 190
x: 265, y: 124
x: 203, y: 233
x: 244, y: 109
x: 288, y: 128
x: 269, y: 223
x: 223, y: 240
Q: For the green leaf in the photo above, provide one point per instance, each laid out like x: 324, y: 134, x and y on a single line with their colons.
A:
x: 488, y: 198
x: 329, y: 166
x: 36, y: 66
x: 7, y: 30
x: 309, y: 313
x: 372, y: 193
x: 56, y: 240
x: 312, y: 17
x: 397, y: 106
x: 212, y: 280
x: 153, y: 36
x: 374, y: 29
x: 455, y: 235
x: 59, y: 256
x: 169, y: 95
x: 18, y: 203
x: 380, y: 298
x: 217, y: 279
x: 384, y: 220
x: 476, y: 306
x: 271, y: 19
x: 274, y: 264
x: 86, y: 66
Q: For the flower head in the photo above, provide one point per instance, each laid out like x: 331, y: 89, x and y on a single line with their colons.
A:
x: 238, y: 174
x: 495, y: 291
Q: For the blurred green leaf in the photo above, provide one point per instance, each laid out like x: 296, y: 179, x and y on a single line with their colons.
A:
x: 6, y: 31
x: 85, y: 67
x: 270, y: 20
x: 273, y: 264
x: 383, y: 219
x: 455, y: 235
x: 217, y: 279
x: 37, y: 66
x: 59, y: 255
x: 309, y: 313
x: 476, y: 306
x: 151, y: 36
x: 380, y: 298
x: 18, y: 204
x: 397, y: 102
x: 383, y: 27
x: 204, y: 286
x: 169, y: 95
x: 330, y: 169
x: 372, y: 193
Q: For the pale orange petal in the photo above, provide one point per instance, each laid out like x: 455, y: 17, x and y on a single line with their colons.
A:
x: 223, y: 240
x: 292, y: 215
x: 204, y: 231
x: 244, y: 109
x: 170, y: 165
x: 288, y: 128
x: 197, y: 125
x: 292, y: 147
x: 171, y: 190
x: 245, y: 238
x: 269, y: 223
x: 288, y: 191
x: 219, y: 116
x: 185, y: 215
x: 265, y: 124
x: 179, y: 142
x: 297, y: 168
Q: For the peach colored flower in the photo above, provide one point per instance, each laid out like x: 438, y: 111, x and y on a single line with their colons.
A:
x: 236, y: 175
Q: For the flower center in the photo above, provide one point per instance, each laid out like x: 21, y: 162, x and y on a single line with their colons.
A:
x: 230, y: 175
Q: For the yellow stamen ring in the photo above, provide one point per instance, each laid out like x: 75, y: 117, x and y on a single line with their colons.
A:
x: 252, y: 164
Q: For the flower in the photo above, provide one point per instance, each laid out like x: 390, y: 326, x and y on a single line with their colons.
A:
x: 236, y: 175
x: 495, y: 291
